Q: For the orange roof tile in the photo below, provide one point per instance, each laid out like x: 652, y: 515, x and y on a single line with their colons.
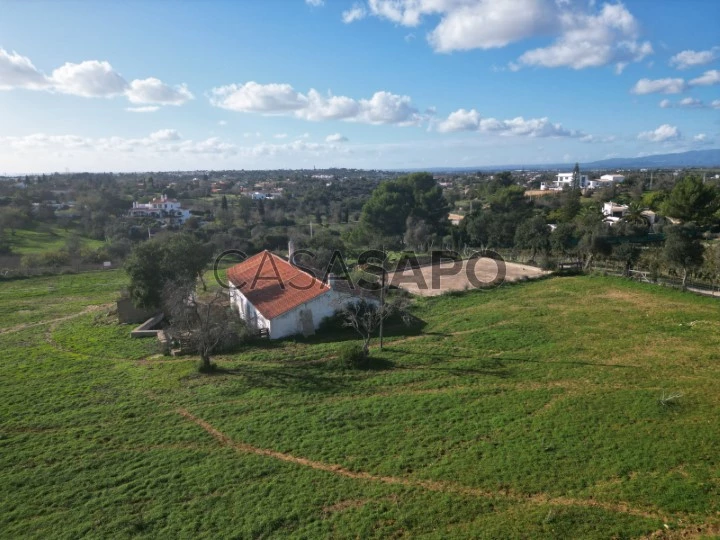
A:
x: 273, y: 285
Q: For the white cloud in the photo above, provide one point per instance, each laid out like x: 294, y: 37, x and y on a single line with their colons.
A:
x: 586, y: 37
x: 687, y: 59
x: 609, y: 37
x: 700, y: 137
x: 690, y: 102
x: 685, y: 103
x: 90, y: 78
x: 706, y: 79
x: 715, y: 104
x: 664, y: 86
x: 147, y: 109
x: 355, y: 13
x: 336, y: 138
x: 315, y: 3
x: 382, y: 108
x: 160, y: 142
x: 255, y: 97
x: 165, y: 135
x: 156, y: 92
x: 19, y: 72
x: 460, y: 120
x: 490, y: 24
x: 222, y: 123
x: 664, y: 133
x: 464, y: 120
x: 597, y: 139
x: 281, y: 136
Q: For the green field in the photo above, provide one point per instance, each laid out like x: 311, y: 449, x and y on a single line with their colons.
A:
x: 43, y: 239
x: 530, y: 411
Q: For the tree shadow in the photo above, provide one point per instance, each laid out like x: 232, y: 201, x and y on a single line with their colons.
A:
x: 293, y: 378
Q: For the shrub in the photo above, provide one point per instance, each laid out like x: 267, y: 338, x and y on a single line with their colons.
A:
x: 352, y: 356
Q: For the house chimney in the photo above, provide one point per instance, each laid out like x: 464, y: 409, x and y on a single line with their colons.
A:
x: 291, y: 251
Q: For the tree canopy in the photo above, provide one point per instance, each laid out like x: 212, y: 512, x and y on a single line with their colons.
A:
x: 415, y: 196
x: 168, y: 258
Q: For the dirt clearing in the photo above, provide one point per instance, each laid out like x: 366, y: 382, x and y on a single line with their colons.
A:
x: 457, y: 276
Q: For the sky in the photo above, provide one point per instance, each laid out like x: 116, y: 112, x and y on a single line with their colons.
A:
x: 373, y: 84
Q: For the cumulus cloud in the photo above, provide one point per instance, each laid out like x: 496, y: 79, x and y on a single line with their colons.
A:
x: 165, y: 135
x: 315, y: 3
x: 585, y: 37
x: 154, y: 91
x: 90, y: 79
x: 659, y: 86
x: 281, y: 136
x: 715, y: 104
x: 700, y: 137
x: 687, y: 59
x: 471, y: 120
x: 336, y: 138
x: 163, y: 141
x: 147, y: 109
x: 706, y: 79
x: 685, y: 103
x: 608, y: 37
x: 382, y: 108
x: 19, y: 72
x: 491, y: 24
x: 255, y: 97
x: 355, y: 13
x: 664, y: 133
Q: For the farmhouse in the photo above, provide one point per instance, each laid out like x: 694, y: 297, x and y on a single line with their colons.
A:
x: 164, y: 210
x: 276, y: 297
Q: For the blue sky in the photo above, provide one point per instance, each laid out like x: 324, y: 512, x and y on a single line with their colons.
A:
x: 367, y: 83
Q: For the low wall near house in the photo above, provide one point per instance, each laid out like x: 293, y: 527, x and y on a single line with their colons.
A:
x: 129, y: 314
x: 146, y: 328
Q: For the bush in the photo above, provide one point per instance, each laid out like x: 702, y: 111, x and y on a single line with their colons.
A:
x: 352, y: 356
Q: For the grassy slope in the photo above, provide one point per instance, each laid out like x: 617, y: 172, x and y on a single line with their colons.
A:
x: 27, y: 241
x: 529, y: 411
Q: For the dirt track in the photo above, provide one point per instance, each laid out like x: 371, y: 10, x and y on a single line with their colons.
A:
x: 467, y: 275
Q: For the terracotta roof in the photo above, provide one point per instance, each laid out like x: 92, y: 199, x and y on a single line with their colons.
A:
x: 273, y: 285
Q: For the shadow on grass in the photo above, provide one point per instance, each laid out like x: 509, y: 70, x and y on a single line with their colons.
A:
x: 293, y: 378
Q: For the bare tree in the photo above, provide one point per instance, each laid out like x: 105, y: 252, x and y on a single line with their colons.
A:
x: 202, y: 325
x: 365, y: 317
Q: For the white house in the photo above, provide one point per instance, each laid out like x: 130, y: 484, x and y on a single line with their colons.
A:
x: 273, y: 295
x: 615, y: 178
x: 565, y: 180
x: 168, y: 211
x: 614, y: 212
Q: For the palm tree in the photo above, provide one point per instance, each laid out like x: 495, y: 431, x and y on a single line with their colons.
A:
x: 634, y: 215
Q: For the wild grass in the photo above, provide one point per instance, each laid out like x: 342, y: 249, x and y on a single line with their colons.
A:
x: 532, y: 410
x: 44, y: 239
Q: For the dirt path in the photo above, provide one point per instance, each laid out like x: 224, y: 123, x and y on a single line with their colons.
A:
x: 429, y: 485
x: 25, y: 326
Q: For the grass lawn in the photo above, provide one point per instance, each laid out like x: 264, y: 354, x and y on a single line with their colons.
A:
x: 41, y: 240
x: 529, y: 411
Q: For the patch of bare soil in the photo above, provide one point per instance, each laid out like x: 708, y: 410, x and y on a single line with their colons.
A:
x: 468, y: 275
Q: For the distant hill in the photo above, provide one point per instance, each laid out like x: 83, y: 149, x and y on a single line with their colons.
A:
x: 695, y: 158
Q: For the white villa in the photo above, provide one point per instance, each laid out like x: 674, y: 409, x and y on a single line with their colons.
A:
x: 164, y: 210
x: 564, y: 180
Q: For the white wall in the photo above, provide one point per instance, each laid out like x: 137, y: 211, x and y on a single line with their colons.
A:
x: 290, y: 322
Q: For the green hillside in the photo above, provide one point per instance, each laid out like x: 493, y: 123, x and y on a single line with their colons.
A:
x: 543, y: 409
